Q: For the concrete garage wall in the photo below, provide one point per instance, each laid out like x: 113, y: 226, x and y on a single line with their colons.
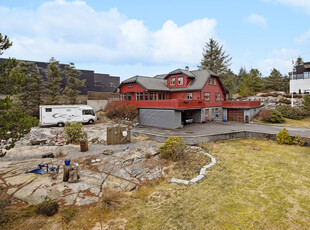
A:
x: 251, y: 113
x: 97, y: 104
x: 170, y: 119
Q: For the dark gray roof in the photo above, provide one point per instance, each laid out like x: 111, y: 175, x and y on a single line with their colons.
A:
x: 158, y: 83
x: 160, y: 76
x: 182, y: 71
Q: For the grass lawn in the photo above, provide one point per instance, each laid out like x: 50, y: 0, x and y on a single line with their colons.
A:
x: 256, y: 184
x: 304, y: 123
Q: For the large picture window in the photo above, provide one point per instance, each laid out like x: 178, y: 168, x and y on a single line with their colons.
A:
x: 172, y: 81
x: 206, y: 96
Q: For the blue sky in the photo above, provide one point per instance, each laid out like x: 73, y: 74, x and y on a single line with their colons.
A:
x: 128, y: 38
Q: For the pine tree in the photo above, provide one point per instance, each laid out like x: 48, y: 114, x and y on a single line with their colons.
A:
x: 14, y: 123
x: 275, y: 81
x: 54, y: 80
x: 4, y: 43
x: 214, y: 58
x: 299, y: 61
x: 73, y: 82
x: 32, y: 91
x: 250, y: 82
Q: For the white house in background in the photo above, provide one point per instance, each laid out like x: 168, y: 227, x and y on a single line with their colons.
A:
x: 300, y: 81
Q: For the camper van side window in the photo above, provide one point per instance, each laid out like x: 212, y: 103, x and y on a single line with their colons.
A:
x: 88, y: 112
x: 48, y: 109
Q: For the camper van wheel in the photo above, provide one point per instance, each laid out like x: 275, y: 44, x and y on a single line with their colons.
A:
x: 60, y: 124
x: 90, y: 121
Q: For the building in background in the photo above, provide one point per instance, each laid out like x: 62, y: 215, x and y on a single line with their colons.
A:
x: 181, y: 96
x: 300, y: 80
x: 95, y: 82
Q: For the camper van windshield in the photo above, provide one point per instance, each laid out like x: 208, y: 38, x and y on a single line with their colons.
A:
x: 89, y: 112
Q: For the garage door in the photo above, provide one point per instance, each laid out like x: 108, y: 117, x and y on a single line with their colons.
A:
x: 235, y: 115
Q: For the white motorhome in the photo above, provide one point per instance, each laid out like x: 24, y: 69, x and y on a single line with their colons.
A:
x: 60, y: 114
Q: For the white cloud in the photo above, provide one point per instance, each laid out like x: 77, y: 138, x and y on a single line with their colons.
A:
x: 73, y: 31
x: 304, y: 4
x: 257, y: 19
x: 279, y: 59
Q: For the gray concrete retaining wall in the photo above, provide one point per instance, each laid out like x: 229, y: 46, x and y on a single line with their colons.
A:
x: 97, y: 104
x: 194, y: 140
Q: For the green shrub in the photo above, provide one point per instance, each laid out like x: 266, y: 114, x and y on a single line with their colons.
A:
x: 48, y: 207
x: 121, y: 110
x: 173, y: 148
x: 283, y: 137
x: 306, y: 104
x: 299, y: 141
x: 291, y: 112
x: 67, y: 214
x: 74, y: 132
x: 276, y: 117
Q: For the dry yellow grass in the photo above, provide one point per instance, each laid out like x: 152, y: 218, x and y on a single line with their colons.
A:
x: 304, y: 123
x: 256, y: 184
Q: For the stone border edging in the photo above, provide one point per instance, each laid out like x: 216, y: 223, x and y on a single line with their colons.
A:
x: 201, y: 173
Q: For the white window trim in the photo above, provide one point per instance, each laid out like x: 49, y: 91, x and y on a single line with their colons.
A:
x: 172, y: 79
x: 182, y: 79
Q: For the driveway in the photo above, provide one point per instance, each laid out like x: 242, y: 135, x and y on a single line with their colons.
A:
x: 215, y: 128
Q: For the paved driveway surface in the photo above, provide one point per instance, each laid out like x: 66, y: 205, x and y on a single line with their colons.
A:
x: 219, y: 128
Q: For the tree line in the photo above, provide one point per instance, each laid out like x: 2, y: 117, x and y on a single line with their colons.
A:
x: 23, y: 81
x: 245, y: 82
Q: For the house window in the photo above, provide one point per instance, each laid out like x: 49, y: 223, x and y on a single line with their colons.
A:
x: 172, y: 81
x: 217, y: 96
x: 162, y: 96
x: 146, y: 96
x: 139, y: 96
x: 123, y: 96
x: 153, y: 96
x: 48, y: 110
x: 130, y: 85
x: 189, y: 96
x: 180, y: 80
x: 206, y: 96
x: 129, y: 96
x: 212, y: 81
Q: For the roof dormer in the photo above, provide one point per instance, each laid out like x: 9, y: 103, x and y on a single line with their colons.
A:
x: 179, y: 78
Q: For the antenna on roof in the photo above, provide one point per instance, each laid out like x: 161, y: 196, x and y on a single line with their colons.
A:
x: 186, y: 68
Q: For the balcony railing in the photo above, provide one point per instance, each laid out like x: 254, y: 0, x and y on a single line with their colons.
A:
x: 305, y: 75
x: 190, y: 104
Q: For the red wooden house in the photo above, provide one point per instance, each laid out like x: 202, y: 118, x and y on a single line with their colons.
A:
x: 172, y: 99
